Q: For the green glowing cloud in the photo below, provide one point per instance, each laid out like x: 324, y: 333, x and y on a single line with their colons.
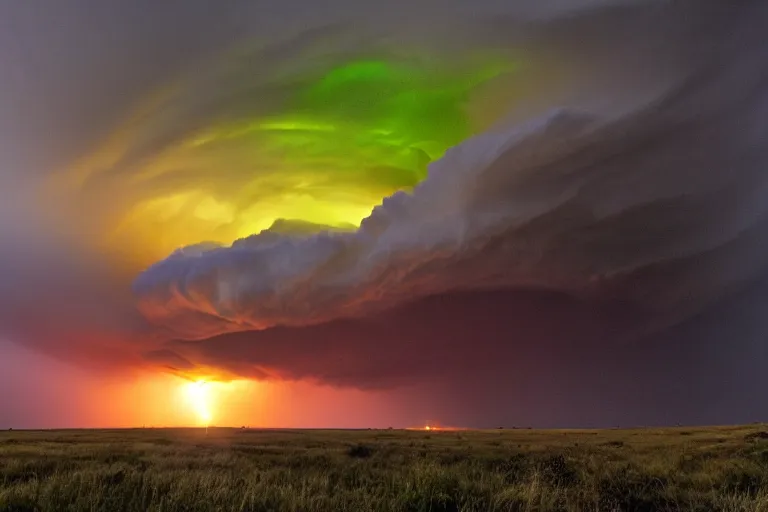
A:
x: 387, y: 117
x: 324, y: 149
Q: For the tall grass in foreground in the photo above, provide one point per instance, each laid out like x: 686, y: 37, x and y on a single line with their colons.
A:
x: 250, y: 470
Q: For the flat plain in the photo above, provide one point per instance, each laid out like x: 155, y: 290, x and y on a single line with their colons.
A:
x: 680, y: 469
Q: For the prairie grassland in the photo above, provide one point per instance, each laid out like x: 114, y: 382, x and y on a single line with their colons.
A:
x: 721, y: 468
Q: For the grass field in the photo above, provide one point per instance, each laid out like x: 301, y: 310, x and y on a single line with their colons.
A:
x: 724, y: 468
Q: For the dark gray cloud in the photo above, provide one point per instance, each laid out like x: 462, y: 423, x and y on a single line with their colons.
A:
x: 524, y: 358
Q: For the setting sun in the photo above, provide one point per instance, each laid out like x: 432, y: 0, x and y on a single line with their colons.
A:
x: 199, y: 397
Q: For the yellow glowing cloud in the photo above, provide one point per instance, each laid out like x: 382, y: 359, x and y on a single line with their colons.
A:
x: 218, y: 162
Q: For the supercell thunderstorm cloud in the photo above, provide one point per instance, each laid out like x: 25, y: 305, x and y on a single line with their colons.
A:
x: 544, y: 216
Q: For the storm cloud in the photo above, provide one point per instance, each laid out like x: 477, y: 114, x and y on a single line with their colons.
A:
x: 575, y: 234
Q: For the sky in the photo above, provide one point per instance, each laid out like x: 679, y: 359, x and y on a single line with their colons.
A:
x: 282, y: 214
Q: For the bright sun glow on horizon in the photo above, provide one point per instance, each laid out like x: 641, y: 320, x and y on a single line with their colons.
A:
x: 199, y: 396
x: 237, y: 402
